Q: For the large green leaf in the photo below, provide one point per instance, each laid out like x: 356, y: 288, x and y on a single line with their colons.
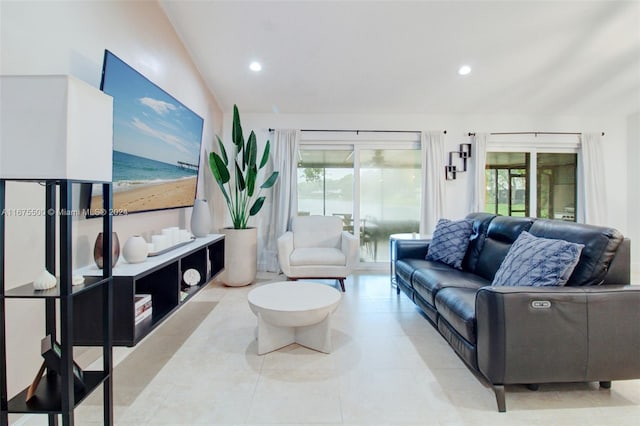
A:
x: 236, y: 134
x: 218, y: 168
x: 265, y: 155
x: 252, y: 150
x: 252, y: 175
x: 256, y: 206
x: 226, y: 196
x: 269, y: 182
x: 223, y: 151
x: 240, y: 182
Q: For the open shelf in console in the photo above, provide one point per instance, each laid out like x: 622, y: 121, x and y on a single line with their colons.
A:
x: 161, y: 277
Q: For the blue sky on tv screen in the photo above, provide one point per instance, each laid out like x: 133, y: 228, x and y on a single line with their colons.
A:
x: 147, y: 121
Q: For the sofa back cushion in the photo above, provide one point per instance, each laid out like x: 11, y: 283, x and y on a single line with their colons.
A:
x: 316, y: 231
x: 600, y: 245
x: 501, y: 233
x: 481, y: 223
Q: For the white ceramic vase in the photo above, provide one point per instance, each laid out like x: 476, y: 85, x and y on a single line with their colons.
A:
x: 240, y: 256
x: 44, y: 281
x: 200, y: 218
x: 135, y: 250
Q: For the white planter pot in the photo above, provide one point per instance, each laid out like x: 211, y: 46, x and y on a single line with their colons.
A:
x: 240, y: 256
x: 135, y: 250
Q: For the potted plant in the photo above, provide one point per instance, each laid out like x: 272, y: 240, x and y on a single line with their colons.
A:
x: 244, y: 199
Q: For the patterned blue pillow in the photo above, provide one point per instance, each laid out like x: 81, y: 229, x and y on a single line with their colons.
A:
x: 450, y: 241
x: 538, y: 262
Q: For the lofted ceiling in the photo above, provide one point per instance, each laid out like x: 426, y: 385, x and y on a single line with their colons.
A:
x: 400, y: 57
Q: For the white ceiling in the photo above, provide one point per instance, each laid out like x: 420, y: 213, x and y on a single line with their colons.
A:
x: 528, y: 57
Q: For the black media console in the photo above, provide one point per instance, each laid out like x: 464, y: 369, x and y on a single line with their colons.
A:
x: 159, y: 276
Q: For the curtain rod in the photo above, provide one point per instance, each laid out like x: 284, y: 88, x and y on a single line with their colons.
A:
x: 532, y: 133
x: 358, y: 131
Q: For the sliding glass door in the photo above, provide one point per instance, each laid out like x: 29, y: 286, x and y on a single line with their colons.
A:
x: 510, y: 177
x: 373, y: 188
x: 325, y: 182
x: 389, y: 198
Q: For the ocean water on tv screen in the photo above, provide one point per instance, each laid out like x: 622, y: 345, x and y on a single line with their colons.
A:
x: 131, y: 170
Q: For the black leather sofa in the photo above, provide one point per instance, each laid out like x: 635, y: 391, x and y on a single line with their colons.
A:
x: 585, y: 331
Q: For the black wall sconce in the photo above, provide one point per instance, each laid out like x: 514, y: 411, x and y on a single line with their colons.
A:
x: 450, y: 169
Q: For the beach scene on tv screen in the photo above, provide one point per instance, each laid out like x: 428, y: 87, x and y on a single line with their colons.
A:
x: 156, y: 144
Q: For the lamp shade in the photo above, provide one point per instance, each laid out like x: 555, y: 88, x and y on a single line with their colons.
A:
x: 54, y: 127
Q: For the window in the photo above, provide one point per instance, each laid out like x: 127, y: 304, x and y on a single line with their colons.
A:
x: 373, y: 188
x: 509, y: 179
x: 556, y: 186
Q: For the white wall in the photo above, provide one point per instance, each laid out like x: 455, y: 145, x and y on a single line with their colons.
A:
x: 458, y: 127
x: 70, y: 38
x: 633, y: 195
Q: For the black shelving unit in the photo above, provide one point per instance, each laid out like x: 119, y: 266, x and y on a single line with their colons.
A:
x: 55, y: 395
x: 161, y: 277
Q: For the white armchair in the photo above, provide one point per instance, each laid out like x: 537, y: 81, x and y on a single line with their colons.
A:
x: 317, y: 247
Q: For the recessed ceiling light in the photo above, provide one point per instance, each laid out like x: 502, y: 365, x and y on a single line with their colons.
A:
x: 464, y: 70
x: 255, y: 66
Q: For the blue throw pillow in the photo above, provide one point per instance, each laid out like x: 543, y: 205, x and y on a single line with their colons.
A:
x: 450, y: 242
x: 538, y: 262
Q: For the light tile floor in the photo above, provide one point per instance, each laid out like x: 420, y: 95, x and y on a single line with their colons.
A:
x: 389, y: 366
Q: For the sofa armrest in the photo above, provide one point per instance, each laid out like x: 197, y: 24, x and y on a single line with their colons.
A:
x: 349, y: 247
x: 564, y: 334
x: 620, y: 268
x: 285, y: 248
x: 411, y: 249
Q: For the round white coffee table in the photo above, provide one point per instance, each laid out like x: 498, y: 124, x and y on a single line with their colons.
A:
x: 294, y: 312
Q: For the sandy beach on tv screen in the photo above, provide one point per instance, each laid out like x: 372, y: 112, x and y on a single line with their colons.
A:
x: 153, y: 196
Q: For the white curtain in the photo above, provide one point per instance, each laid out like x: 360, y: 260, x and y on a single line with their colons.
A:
x: 284, y: 152
x: 591, y: 190
x: 479, y: 156
x: 433, y: 179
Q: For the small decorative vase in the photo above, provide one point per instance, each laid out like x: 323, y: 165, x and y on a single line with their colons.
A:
x: 135, y: 250
x: 115, y: 250
x: 200, y: 218
x: 44, y: 281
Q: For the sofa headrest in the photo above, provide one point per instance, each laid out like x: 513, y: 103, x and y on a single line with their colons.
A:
x: 501, y: 233
x: 507, y: 228
x: 316, y: 231
x: 481, y: 223
x: 600, y: 245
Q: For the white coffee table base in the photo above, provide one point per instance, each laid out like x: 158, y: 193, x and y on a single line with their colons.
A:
x: 273, y: 337
x: 294, y: 312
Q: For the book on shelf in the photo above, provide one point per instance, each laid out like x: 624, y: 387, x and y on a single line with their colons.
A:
x: 143, y: 315
x: 142, y: 302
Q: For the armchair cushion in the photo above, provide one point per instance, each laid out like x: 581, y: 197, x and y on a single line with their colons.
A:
x: 317, y: 256
x: 538, y: 262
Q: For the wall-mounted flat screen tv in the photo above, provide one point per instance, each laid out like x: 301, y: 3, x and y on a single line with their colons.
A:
x: 156, y: 144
